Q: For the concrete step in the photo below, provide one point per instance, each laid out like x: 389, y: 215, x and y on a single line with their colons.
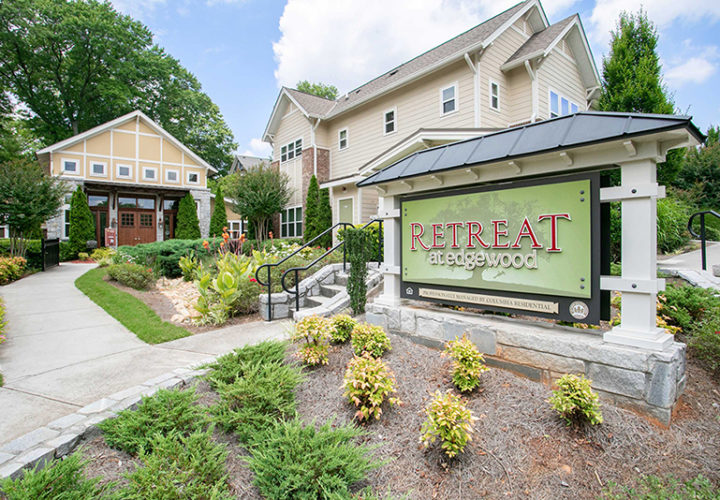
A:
x: 316, y: 300
x: 341, y: 279
x: 331, y: 290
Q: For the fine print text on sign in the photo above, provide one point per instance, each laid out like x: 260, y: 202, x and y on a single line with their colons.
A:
x: 530, y: 239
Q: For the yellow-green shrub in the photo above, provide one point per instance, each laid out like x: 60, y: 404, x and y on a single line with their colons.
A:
x: 575, y: 400
x: 449, y: 420
x: 367, y: 383
x: 11, y: 269
x: 342, y: 327
x: 132, y: 275
x: 371, y: 339
x: 314, y: 334
x: 468, y: 363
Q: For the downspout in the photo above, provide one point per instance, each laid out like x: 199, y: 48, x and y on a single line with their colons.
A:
x: 533, y: 84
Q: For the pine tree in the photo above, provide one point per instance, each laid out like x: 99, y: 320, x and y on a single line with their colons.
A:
x: 632, y: 79
x: 218, y: 221
x: 310, y: 230
x: 188, y: 225
x: 324, y: 218
x: 82, y: 222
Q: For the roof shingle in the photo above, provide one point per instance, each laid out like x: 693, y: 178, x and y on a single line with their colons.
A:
x: 540, y: 40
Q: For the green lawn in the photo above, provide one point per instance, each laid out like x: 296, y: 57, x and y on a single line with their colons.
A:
x: 131, y: 312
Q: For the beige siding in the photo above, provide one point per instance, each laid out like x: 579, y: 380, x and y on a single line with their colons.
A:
x: 293, y: 126
x: 369, y: 204
x: 519, y: 95
x: 418, y: 105
x: 510, y: 85
x: 560, y: 73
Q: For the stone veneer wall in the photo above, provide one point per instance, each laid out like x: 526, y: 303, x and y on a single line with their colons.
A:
x: 204, y: 213
x: 55, y: 225
x: 645, y: 380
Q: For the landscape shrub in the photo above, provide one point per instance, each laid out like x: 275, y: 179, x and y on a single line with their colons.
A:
x: 11, y: 269
x: 2, y: 322
x: 59, y: 479
x: 83, y: 256
x: 189, y: 265
x: 218, y: 219
x: 468, y: 363
x: 33, y: 252
x: 575, y: 400
x: 187, y: 225
x: 228, y: 368
x: 180, y: 467
x: 358, y: 248
x: 82, y: 222
x: 449, y: 420
x: 102, y: 253
x: 704, y: 342
x: 685, y: 305
x: 132, y: 275
x: 667, y: 488
x: 371, y: 339
x: 314, y: 334
x: 342, y: 327
x: 376, y: 234
x: 254, y: 401
x: 672, y: 219
x: 295, y: 461
x: 368, y: 382
x: 166, y: 411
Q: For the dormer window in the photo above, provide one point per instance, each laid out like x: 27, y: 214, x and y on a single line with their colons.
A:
x: 448, y: 99
x: 389, y: 119
x: 495, y: 96
x: 343, y: 139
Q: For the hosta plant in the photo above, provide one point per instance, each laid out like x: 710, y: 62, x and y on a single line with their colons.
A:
x: 575, y: 400
x: 368, y: 383
x: 370, y: 339
x: 468, y: 363
x: 313, y: 334
x: 450, y: 421
x: 342, y: 327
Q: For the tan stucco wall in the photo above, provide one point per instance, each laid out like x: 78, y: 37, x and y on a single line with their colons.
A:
x: 136, y: 145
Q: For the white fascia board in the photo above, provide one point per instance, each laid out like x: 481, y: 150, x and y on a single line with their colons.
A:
x: 588, y: 51
x: 572, y: 24
x: 271, y: 126
x: 89, y: 133
x: 341, y: 182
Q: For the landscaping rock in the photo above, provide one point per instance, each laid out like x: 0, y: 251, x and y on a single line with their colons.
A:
x: 29, y: 440
x: 64, y: 443
x: 36, y: 456
x: 617, y: 380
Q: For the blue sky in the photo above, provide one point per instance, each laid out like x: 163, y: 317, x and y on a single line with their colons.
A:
x: 242, y: 51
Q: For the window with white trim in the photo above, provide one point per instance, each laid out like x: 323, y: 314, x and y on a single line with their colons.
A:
x: 70, y: 166
x: 389, y: 119
x: 561, y: 105
x: 343, y: 139
x: 291, y: 222
x: 495, y: 95
x: 291, y: 150
x: 149, y: 173
x: 98, y: 169
x: 172, y: 176
x: 124, y: 171
x: 448, y: 99
x: 193, y: 178
x: 4, y: 232
x: 236, y: 227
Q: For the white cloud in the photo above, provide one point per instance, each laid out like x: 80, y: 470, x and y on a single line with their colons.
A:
x: 345, y: 42
x: 694, y: 70
x: 661, y: 12
x: 138, y: 9
x: 258, y: 148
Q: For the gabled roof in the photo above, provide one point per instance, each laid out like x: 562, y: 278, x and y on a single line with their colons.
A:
x: 454, y: 49
x: 580, y: 129
x: 245, y: 162
x: 119, y: 121
x: 542, y: 43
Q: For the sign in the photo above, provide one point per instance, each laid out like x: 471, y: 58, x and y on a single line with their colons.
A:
x: 530, y: 247
x: 110, y: 237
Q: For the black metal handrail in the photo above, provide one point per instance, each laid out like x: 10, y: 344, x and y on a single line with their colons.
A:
x: 270, y: 265
x: 297, y: 270
x: 702, y: 235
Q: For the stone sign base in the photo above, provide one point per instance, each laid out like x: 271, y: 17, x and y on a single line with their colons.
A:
x: 644, y: 380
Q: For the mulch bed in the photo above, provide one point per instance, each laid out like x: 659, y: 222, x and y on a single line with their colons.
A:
x: 520, y: 449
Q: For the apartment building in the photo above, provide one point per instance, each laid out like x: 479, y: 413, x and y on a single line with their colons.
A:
x: 513, y: 69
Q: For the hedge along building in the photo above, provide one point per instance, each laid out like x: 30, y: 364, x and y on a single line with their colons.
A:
x: 517, y: 221
x: 134, y: 173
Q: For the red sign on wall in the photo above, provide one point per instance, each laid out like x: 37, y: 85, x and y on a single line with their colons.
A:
x: 110, y: 237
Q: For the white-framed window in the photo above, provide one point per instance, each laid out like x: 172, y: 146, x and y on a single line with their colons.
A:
x: 124, y: 171
x: 172, y: 176
x: 98, y: 169
x: 494, y: 95
x: 150, y: 173
x: 389, y: 121
x: 70, y: 166
x: 291, y: 150
x: 236, y: 228
x: 448, y: 99
x: 193, y: 178
x: 291, y: 222
x: 4, y: 232
x: 560, y: 105
x: 343, y: 138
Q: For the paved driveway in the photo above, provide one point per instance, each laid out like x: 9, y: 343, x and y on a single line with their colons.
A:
x: 64, y: 352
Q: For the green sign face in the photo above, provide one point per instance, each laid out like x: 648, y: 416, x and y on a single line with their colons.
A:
x: 534, y: 239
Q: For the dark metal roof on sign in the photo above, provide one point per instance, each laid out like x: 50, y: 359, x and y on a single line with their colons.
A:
x: 579, y: 129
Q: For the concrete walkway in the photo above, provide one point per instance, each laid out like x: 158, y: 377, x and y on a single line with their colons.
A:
x: 689, y: 266
x: 64, y: 352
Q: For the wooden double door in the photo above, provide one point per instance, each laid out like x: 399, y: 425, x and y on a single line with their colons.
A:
x: 137, y: 220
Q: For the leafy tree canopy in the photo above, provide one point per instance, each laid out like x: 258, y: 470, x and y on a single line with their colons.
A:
x: 77, y: 64
x: 319, y: 89
x: 701, y: 173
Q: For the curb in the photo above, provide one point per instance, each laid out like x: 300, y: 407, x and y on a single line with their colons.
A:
x: 59, y: 437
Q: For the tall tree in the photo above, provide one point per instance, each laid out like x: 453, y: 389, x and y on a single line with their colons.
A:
x: 701, y: 173
x: 79, y: 63
x: 218, y: 220
x: 319, y: 89
x: 312, y: 202
x: 28, y: 198
x: 82, y: 222
x: 632, y: 79
x: 188, y: 224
